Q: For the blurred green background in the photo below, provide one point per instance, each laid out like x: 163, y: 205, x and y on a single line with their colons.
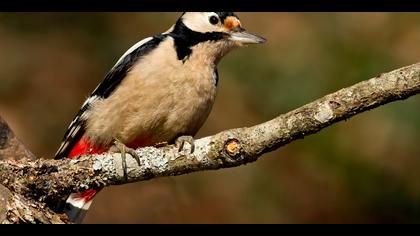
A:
x: 364, y: 170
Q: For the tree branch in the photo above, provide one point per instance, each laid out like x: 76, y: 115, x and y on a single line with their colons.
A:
x: 10, y: 146
x: 14, y: 208
x: 51, y: 180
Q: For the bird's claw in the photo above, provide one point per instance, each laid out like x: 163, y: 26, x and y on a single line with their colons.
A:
x: 181, y: 140
x: 123, y: 149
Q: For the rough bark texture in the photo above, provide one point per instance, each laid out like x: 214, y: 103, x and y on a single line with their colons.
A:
x: 10, y: 146
x: 14, y: 208
x: 47, y: 181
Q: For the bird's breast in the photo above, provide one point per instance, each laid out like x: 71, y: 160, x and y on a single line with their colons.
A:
x: 160, y: 99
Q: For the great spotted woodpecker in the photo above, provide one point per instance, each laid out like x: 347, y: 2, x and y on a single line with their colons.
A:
x: 161, y: 90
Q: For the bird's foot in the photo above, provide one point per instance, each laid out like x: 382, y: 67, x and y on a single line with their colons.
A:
x: 181, y: 140
x: 123, y: 149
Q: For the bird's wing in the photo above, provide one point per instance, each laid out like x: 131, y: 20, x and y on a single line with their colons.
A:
x: 114, y: 77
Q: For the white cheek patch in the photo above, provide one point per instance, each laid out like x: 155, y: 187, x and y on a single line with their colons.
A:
x: 199, y: 22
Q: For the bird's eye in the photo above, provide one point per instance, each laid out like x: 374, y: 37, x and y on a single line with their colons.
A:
x: 214, y: 20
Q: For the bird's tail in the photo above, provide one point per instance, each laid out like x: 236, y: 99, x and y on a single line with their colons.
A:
x: 77, y: 204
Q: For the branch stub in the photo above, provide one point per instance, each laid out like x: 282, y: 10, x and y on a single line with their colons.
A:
x: 232, y: 147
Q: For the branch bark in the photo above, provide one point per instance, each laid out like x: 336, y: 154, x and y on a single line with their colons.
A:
x: 10, y: 146
x: 15, y: 208
x: 51, y: 180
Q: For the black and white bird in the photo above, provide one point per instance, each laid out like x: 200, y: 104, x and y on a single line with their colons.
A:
x: 161, y: 90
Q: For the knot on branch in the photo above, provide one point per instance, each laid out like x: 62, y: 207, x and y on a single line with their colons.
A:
x: 233, y: 147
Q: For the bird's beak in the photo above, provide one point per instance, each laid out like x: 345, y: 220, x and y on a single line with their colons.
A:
x: 239, y: 35
x: 246, y: 38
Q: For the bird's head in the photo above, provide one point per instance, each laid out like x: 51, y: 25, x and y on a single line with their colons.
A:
x: 225, y: 24
x: 217, y: 32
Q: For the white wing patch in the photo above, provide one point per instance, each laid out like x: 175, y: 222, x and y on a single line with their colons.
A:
x: 74, y: 131
x: 63, y: 147
x: 76, y: 125
x: 90, y: 100
x: 134, y: 47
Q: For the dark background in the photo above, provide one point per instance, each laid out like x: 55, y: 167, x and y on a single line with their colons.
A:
x: 364, y: 170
